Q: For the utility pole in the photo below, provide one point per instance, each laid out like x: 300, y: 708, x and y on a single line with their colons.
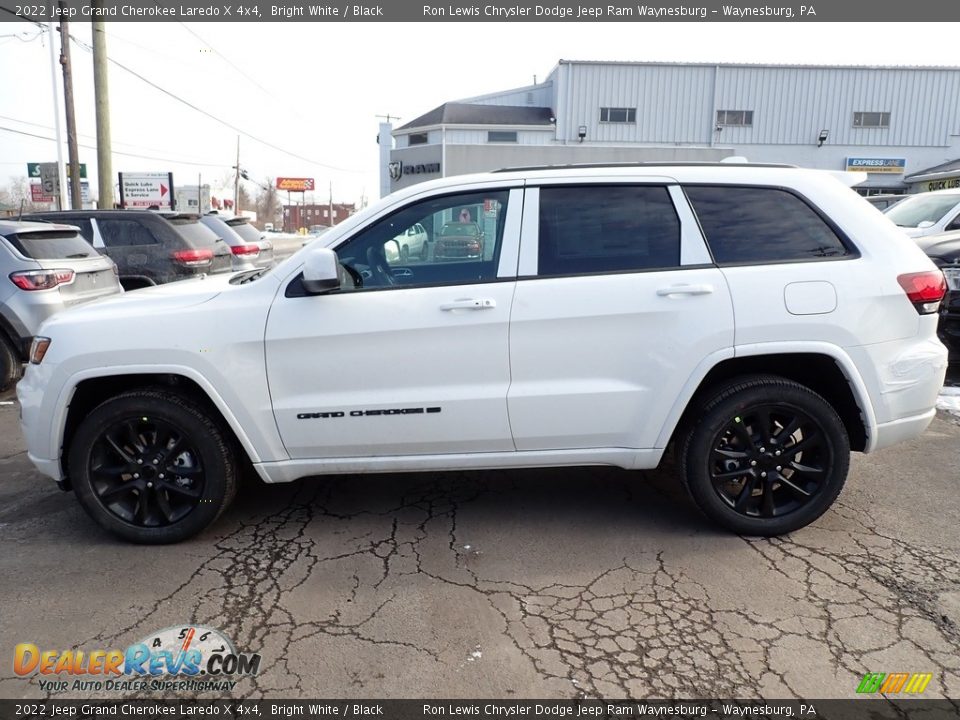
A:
x: 62, y: 178
x: 331, y: 203
x: 73, y: 154
x: 236, y: 182
x: 102, y: 107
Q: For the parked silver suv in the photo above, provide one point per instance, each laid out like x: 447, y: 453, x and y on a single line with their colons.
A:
x: 47, y: 267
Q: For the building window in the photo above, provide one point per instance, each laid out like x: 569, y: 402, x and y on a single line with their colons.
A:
x: 618, y: 115
x: 417, y: 139
x: 734, y: 118
x: 871, y: 119
x: 501, y: 136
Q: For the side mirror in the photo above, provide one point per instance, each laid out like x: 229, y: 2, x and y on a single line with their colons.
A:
x: 924, y: 224
x: 320, y: 272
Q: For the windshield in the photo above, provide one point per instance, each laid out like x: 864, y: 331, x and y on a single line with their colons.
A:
x: 915, y: 210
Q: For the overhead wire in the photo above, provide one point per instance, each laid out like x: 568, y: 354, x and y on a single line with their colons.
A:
x: 117, y: 152
x: 213, y: 117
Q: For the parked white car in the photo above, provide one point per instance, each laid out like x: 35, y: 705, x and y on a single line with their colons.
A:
x: 410, y: 243
x: 763, y: 321
x: 928, y: 213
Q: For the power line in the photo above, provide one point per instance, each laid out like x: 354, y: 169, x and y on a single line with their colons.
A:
x: 117, y: 152
x: 88, y: 135
x: 233, y: 127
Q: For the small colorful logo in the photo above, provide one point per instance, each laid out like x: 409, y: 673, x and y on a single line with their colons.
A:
x: 891, y: 683
x: 191, y: 652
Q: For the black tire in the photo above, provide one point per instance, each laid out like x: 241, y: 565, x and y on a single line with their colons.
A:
x: 152, y: 467
x: 765, y: 456
x: 11, y: 366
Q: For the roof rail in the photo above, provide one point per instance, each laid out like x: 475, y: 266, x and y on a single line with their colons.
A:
x: 684, y: 163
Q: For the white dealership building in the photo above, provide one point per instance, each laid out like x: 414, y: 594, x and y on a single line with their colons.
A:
x: 887, y: 122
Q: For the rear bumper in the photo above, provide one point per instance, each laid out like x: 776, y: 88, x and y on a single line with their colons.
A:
x: 904, y: 429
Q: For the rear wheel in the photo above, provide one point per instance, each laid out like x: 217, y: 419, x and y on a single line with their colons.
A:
x: 152, y: 467
x: 11, y: 367
x: 767, y: 456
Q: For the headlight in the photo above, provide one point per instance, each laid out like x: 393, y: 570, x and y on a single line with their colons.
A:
x: 38, y: 348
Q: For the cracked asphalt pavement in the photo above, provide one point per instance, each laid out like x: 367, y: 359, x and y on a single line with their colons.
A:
x: 588, y: 582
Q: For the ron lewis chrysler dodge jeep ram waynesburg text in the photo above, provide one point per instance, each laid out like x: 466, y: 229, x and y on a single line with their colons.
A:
x: 761, y: 321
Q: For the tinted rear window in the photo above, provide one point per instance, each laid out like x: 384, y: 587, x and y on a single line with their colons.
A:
x: 247, y: 231
x: 607, y: 229
x: 757, y: 225
x: 197, y: 234
x: 51, y: 245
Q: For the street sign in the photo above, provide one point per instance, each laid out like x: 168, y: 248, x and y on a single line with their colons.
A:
x: 146, y: 190
x: 50, y: 178
x: 37, y: 196
x: 33, y: 170
x: 295, y: 184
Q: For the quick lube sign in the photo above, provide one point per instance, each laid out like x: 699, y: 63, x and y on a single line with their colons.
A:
x: 876, y: 165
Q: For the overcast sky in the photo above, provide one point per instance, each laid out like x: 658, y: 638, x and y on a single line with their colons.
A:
x: 316, y: 89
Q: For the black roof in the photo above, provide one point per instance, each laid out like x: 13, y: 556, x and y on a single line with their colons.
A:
x: 453, y: 113
x: 948, y: 166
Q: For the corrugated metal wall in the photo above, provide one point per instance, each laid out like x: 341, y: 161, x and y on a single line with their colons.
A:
x: 678, y: 103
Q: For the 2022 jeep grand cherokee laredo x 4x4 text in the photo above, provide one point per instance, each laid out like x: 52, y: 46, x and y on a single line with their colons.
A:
x: 763, y: 320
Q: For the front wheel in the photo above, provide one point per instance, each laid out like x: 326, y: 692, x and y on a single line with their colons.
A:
x: 767, y: 456
x: 152, y: 467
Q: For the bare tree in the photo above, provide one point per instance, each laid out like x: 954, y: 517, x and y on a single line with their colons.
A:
x: 268, y: 202
x: 17, y: 194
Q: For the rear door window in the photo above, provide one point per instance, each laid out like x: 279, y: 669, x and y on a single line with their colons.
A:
x: 121, y: 232
x: 246, y: 231
x: 748, y: 225
x: 51, y: 245
x: 621, y: 228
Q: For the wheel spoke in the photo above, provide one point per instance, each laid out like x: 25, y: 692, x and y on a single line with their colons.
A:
x: 808, y: 442
x: 765, y: 424
x: 136, y: 442
x: 118, y: 449
x: 806, y: 469
x: 741, y: 432
x: 117, y: 491
x: 789, y: 429
x: 745, y: 494
x: 733, y: 454
x: 172, y: 451
x: 143, y: 502
x: 180, y: 490
x: 164, y: 504
x: 793, y: 487
x: 767, y: 506
x: 732, y: 474
x: 184, y: 471
x: 111, y: 472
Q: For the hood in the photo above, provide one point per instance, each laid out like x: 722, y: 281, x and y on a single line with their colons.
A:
x: 149, y: 301
x: 945, y: 246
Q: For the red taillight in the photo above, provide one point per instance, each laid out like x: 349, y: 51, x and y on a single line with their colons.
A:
x: 193, y: 258
x: 924, y: 289
x: 245, y: 250
x: 41, y: 279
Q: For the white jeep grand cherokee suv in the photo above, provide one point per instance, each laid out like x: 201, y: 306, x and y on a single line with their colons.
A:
x: 762, y: 320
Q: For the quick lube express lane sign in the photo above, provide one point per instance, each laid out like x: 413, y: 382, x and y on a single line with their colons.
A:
x: 876, y: 165
x: 146, y: 190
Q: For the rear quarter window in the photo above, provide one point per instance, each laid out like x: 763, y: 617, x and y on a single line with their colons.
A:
x: 51, y: 245
x: 745, y: 225
x: 123, y: 232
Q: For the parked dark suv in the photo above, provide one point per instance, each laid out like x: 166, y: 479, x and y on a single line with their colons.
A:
x: 148, y: 248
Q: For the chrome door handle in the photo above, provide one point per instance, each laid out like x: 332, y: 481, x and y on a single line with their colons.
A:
x: 685, y: 290
x: 470, y: 304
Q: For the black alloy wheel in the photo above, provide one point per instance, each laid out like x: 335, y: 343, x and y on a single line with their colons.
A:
x: 146, y: 471
x: 769, y: 460
x: 152, y: 467
x: 767, y: 456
